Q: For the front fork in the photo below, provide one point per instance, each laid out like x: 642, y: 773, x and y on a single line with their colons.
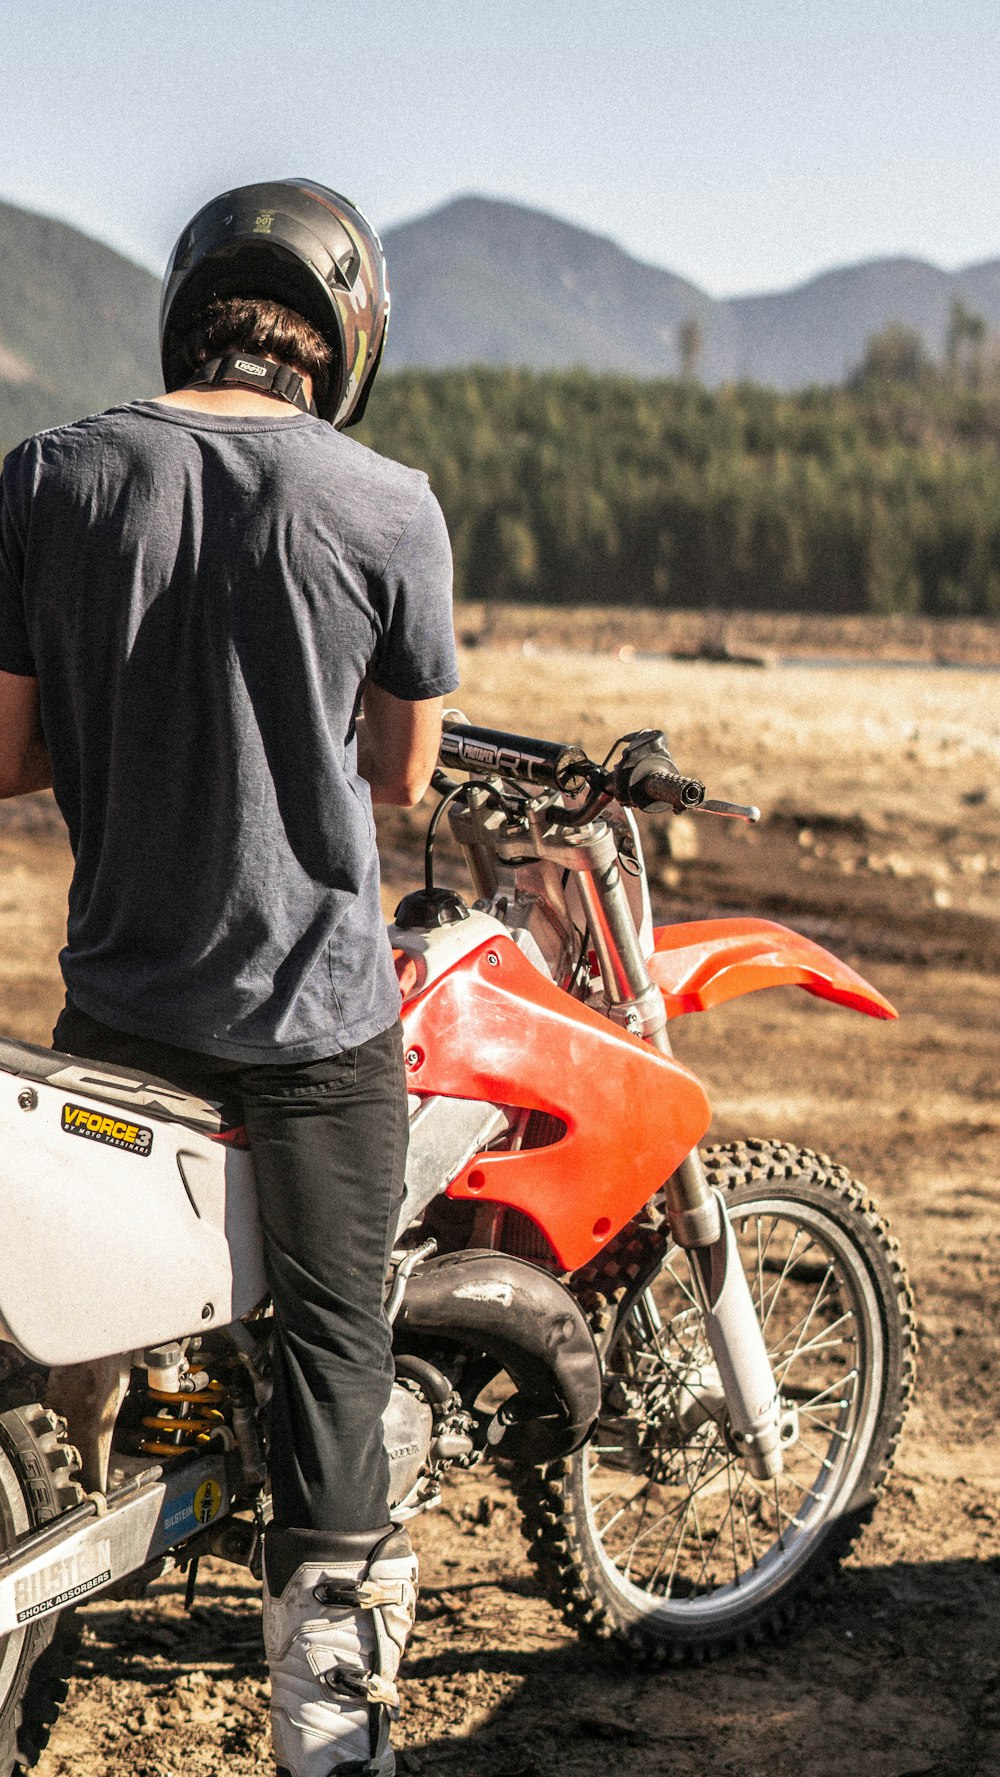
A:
x: 697, y: 1214
x: 699, y: 1222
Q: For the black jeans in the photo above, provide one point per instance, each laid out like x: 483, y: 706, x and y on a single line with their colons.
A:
x: 328, y: 1141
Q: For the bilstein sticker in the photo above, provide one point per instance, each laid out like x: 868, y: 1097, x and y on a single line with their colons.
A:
x: 183, y: 1515
x: 63, y: 1581
x: 115, y: 1132
x: 178, y: 1517
x: 207, y: 1501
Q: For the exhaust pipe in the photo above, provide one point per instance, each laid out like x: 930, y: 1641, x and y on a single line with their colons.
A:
x: 528, y: 1323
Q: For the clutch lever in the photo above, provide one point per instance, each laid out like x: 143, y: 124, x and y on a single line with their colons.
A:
x: 737, y: 811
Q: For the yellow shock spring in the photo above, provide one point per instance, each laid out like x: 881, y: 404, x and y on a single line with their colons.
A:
x: 182, y: 1421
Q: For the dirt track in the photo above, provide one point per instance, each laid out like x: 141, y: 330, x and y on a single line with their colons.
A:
x: 882, y: 837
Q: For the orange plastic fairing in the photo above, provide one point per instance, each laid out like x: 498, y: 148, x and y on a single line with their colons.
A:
x: 494, y: 1028
x: 705, y: 962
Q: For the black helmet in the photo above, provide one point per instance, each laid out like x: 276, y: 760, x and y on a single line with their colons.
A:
x: 294, y: 242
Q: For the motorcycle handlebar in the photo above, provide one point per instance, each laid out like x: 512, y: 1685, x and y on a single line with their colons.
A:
x: 551, y: 765
x: 636, y: 782
x: 546, y: 763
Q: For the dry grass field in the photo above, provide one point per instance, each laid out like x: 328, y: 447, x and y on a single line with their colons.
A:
x: 881, y: 837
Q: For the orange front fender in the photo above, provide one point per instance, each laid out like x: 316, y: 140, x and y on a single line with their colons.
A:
x: 705, y: 962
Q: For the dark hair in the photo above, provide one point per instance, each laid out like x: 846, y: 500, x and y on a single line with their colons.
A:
x: 253, y: 324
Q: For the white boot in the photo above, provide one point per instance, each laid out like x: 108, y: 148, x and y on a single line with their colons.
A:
x: 334, y: 1638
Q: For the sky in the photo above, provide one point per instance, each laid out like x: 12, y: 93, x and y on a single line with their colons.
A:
x: 744, y: 144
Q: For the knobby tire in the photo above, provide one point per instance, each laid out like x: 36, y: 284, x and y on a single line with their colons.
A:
x: 844, y: 1246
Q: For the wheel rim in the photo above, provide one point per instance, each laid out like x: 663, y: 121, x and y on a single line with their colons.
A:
x: 681, y: 1528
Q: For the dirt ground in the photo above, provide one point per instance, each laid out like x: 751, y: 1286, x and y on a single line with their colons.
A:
x: 764, y: 637
x: 881, y: 836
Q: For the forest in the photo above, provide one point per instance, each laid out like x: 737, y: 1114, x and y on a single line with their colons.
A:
x: 574, y: 488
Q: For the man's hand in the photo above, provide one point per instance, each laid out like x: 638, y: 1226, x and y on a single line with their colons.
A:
x: 398, y: 745
x: 24, y: 761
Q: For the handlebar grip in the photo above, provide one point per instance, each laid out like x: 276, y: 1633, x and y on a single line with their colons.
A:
x: 670, y: 788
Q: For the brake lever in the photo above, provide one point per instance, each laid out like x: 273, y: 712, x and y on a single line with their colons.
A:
x: 737, y: 811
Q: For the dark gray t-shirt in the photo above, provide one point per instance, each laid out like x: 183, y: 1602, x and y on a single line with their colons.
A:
x: 201, y: 599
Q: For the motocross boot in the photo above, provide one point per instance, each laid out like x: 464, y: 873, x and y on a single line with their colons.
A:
x: 334, y: 1630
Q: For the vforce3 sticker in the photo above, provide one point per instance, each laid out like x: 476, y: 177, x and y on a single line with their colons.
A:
x: 114, y: 1132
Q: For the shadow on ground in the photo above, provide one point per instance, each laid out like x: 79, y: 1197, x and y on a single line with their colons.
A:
x: 895, y: 1674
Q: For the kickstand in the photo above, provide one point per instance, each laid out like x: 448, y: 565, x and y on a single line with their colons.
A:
x: 192, y: 1581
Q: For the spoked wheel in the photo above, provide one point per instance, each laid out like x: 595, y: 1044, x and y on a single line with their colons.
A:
x: 36, y: 1484
x: 656, y: 1531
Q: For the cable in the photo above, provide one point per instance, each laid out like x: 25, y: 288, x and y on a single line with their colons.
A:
x: 581, y: 959
x: 432, y: 827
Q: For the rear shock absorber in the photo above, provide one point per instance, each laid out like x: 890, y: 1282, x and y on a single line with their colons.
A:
x: 182, y: 1408
x: 182, y: 1422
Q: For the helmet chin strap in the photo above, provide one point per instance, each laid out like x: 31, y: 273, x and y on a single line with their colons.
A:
x: 245, y: 371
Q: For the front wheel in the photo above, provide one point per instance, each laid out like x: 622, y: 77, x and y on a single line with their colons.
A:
x: 655, y: 1532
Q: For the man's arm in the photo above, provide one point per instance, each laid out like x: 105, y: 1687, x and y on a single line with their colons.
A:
x: 397, y: 745
x: 24, y: 760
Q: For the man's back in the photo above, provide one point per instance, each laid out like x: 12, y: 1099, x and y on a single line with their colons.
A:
x: 197, y: 597
x: 203, y: 596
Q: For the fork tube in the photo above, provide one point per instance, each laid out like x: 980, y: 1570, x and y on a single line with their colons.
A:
x: 696, y: 1214
x: 634, y: 1001
x: 734, y: 1333
x: 479, y: 855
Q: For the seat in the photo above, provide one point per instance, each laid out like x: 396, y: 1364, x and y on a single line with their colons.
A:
x: 112, y: 1085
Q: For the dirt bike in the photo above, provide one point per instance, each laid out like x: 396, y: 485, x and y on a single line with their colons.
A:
x: 692, y: 1366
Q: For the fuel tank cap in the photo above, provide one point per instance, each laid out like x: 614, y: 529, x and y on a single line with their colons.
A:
x: 424, y: 909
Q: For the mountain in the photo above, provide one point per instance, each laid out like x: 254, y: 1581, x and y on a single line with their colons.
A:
x: 78, y: 325
x: 477, y: 281
x: 483, y: 282
x: 817, y: 331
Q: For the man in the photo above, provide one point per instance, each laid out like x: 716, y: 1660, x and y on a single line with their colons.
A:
x: 224, y: 630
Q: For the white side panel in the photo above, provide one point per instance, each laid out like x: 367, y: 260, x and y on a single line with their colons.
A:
x: 105, y: 1249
